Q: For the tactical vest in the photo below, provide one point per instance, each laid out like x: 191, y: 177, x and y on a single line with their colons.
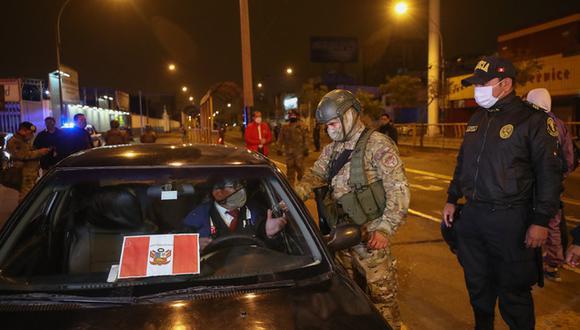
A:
x: 364, y: 202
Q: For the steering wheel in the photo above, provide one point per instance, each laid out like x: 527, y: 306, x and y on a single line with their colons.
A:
x: 231, y: 241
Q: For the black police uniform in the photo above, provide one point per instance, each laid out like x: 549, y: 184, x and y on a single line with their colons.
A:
x: 509, y: 172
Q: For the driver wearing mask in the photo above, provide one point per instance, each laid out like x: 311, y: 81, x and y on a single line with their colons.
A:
x: 229, y: 213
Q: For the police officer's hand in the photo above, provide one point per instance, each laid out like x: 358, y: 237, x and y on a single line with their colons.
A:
x: 448, y: 212
x: 274, y: 225
x: 536, y: 236
x: 573, y: 255
x: 377, y: 241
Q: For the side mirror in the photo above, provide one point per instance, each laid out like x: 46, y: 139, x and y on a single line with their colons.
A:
x: 343, y: 236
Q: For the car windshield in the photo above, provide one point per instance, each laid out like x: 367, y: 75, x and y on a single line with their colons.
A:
x: 71, y: 234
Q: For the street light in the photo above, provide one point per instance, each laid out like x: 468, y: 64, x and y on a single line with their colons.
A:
x: 435, y: 62
x: 289, y: 71
x: 229, y: 105
x: 401, y: 8
x: 171, y: 67
x: 184, y: 89
x: 58, y: 64
x: 260, y: 85
x: 191, y: 98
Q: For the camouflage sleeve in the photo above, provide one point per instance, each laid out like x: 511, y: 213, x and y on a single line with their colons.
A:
x: 391, y: 170
x: 316, y: 176
x: 22, y: 151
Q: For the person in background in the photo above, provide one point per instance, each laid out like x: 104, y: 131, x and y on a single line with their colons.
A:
x: 25, y: 157
x: 316, y: 136
x: 74, y: 139
x: 387, y: 127
x: 48, y: 138
x: 116, y: 136
x: 553, y: 248
x: 293, y: 139
x: 148, y: 135
x: 258, y: 135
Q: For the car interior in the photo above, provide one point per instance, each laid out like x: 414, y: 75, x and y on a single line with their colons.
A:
x: 78, y: 229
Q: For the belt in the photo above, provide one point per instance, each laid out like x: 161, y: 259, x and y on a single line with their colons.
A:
x: 499, y: 206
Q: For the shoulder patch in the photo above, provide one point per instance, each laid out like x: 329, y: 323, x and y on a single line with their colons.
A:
x: 506, y: 131
x: 471, y: 129
x: 551, y: 127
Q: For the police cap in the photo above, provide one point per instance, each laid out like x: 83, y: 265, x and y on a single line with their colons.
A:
x: 334, y: 104
x: 490, y: 67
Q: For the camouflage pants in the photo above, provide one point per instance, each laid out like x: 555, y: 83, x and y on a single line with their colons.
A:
x: 294, y: 167
x: 379, y: 269
x: 29, y: 177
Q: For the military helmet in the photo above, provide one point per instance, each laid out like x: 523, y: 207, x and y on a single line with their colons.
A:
x: 334, y: 104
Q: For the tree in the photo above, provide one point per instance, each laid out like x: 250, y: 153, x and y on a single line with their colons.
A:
x: 403, y: 90
x: 312, y: 92
x: 525, y: 70
x: 371, y: 106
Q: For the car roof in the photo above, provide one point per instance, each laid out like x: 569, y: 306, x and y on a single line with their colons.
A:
x: 162, y: 155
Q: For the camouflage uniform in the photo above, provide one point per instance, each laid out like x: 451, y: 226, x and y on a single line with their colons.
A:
x: 23, y: 156
x: 293, y: 138
x: 381, y: 162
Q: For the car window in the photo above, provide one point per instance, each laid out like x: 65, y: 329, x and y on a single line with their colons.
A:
x: 74, y: 235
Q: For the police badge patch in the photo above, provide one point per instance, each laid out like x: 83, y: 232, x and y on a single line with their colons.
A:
x: 506, y: 131
x: 552, y: 129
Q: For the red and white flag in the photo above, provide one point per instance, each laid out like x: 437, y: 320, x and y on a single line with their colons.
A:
x: 159, y: 255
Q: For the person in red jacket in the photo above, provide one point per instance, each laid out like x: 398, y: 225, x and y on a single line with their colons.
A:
x: 258, y: 135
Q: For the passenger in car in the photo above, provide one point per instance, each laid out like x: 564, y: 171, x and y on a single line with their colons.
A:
x: 229, y: 213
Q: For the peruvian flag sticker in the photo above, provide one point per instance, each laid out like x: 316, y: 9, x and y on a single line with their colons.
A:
x: 159, y: 255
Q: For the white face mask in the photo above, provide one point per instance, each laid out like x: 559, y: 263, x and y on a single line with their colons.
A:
x: 235, y: 200
x: 258, y: 120
x: 484, y: 96
x: 335, y: 133
x: 349, y: 120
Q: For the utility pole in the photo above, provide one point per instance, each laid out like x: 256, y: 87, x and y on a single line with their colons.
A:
x: 433, y: 67
x: 246, y: 60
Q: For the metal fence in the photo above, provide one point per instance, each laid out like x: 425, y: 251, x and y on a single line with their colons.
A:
x: 9, y: 121
x: 446, y: 136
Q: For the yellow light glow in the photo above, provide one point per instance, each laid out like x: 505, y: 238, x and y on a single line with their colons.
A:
x: 179, y: 304
x: 401, y: 8
x: 130, y: 154
x: 289, y: 70
x: 184, y: 89
x: 191, y: 98
x: 260, y: 85
x: 171, y: 67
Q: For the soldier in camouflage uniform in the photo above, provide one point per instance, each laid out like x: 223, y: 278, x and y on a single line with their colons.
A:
x: 293, y: 138
x: 339, y: 111
x: 23, y: 156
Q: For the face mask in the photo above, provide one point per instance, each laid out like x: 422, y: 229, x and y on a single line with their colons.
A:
x: 484, y: 96
x: 258, y: 120
x: 235, y: 200
x: 335, y: 133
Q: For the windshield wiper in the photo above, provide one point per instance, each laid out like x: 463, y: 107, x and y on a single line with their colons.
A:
x: 30, y: 298
x: 199, y: 290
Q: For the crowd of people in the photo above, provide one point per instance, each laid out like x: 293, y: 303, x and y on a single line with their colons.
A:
x: 34, y: 154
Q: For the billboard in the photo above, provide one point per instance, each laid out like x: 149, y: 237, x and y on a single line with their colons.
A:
x: 122, y: 100
x: 333, y: 49
x: 11, y: 90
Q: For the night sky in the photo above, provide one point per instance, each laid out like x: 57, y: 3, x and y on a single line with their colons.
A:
x: 127, y: 44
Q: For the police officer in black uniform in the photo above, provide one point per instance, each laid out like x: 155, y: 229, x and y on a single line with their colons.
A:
x: 510, y: 174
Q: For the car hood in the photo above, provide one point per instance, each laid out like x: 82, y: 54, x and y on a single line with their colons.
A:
x: 331, y: 304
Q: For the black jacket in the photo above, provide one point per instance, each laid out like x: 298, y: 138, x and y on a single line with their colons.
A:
x: 509, y: 157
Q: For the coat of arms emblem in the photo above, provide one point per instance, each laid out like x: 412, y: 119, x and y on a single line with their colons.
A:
x: 160, y: 257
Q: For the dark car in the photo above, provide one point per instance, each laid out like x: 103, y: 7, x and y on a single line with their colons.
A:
x: 60, y: 249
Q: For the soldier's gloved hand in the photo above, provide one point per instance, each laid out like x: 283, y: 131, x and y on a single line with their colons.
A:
x: 377, y: 241
x: 274, y: 225
x: 536, y: 236
x: 573, y: 255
